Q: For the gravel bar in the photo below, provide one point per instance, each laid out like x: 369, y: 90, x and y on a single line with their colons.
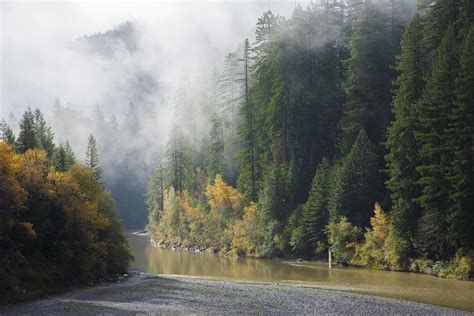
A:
x: 148, y: 294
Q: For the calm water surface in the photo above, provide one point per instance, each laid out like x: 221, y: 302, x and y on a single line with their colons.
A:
x: 410, y: 286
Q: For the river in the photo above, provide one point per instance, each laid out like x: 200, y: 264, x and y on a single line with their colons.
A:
x: 409, y: 286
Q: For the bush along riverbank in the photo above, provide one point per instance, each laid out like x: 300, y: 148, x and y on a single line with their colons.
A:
x: 214, y: 220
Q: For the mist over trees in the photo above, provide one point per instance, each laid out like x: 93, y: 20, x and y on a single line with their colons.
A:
x: 341, y: 106
x: 345, y: 127
x: 126, y: 149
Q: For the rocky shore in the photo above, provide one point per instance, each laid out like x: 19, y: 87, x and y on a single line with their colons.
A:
x: 177, y: 246
x: 149, y: 294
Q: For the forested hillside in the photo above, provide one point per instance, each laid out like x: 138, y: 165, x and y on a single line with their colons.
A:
x: 126, y: 149
x: 317, y: 126
x: 58, y: 223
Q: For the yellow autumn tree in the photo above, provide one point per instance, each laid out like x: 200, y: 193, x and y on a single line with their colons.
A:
x: 224, y: 199
x: 33, y: 173
x: 246, y: 238
x: 57, y: 228
x: 13, y: 196
x: 15, y: 229
x: 74, y: 193
x: 374, y: 252
x: 226, y: 206
x: 166, y: 230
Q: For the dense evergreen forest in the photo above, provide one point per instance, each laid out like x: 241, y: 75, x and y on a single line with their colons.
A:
x: 58, y: 223
x: 347, y: 127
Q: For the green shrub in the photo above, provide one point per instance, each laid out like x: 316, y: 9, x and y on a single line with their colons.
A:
x: 458, y: 268
x: 343, y: 238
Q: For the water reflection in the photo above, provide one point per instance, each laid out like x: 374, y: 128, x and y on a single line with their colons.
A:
x: 416, y: 287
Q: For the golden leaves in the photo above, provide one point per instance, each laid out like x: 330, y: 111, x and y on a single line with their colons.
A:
x: 223, y: 197
x: 379, y: 222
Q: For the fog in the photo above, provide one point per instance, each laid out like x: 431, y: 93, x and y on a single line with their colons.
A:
x: 122, y: 70
x: 41, y: 60
x: 113, y: 69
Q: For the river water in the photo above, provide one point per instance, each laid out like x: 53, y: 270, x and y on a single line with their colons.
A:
x: 410, y: 286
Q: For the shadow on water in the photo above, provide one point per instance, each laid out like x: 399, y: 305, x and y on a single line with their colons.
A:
x: 410, y: 286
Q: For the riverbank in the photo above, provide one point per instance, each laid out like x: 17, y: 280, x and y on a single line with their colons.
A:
x: 147, y: 293
x: 458, y: 269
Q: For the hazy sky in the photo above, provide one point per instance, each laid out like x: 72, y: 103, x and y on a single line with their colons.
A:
x: 39, y: 64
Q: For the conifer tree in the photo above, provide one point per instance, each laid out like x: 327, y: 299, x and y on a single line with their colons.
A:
x: 465, y: 18
x: 6, y: 133
x: 44, y: 134
x: 315, y: 211
x: 92, y: 159
x: 462, y: 135
x: 434, y: 115
x: 27, y: 136
x: 315, y: 214
x: 275, y: 204
x: 368, y: 86
x: 215, y: 158
x: 230, y: 95
x: 3, y: 127
x: 63, y: 157
x: 70, y: 156
x: 156, y: 191
x: 266, y: 29
x: 178, y: 160
x: 402, y: 157
x: 247, y: 181
x: 439, y: 15
x: 59, y: 158
x: 356, y: 184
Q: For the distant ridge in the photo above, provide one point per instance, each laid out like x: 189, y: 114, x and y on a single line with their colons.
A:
x: 109, y: 42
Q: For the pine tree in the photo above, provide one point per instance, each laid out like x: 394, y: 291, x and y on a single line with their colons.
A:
x: 230, y: 94
x: 215, y: 157
x: 27, y: 137
x: 156, y: 191
x: 70, y: 156
x: 59, y: 158
x: 178, y: 160
x: 267, y: 27
x: 247, y: 181
x: 356, y: 183
x: 63, y: 157
x: 440, y: 14
x: 275, y: 204
x: 465, y: 18
x: 462, y: 135
x: 402, y: 158
x: 434, y: 115
x: 44, y: 134
x: 92, y: 159
x: 369, y: 82
x: 3, y: 128
x: 315, y: 211
x: 6, y: 133
x: 315, y: 215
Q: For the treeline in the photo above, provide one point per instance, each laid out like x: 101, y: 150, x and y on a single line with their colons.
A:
x: 126, y: 147
x: 344, y: 105
x: 58, y: 225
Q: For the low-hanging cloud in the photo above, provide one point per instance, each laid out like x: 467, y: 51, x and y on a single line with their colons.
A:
x: 55, y: 50
x: 39, y: 62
